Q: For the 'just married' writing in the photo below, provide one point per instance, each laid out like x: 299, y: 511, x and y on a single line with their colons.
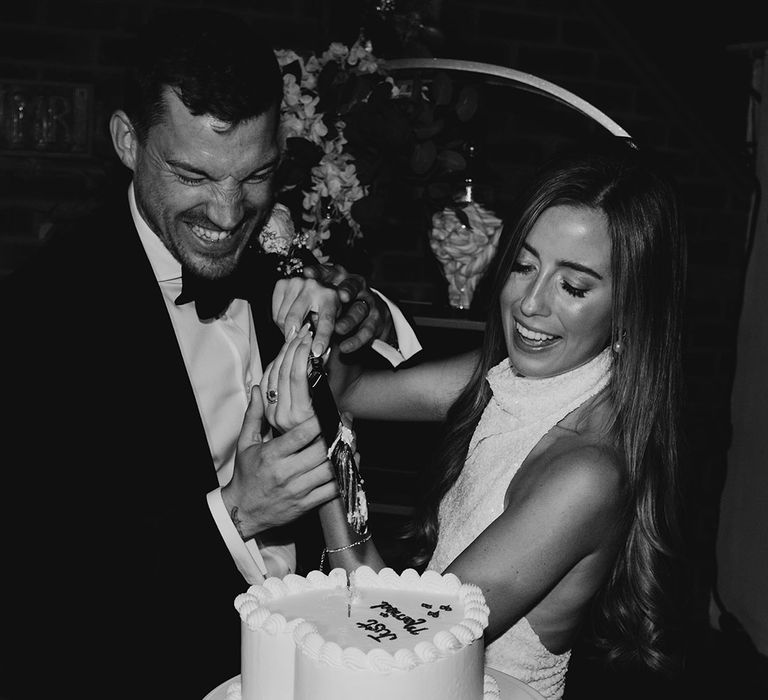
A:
x: 387, y: 610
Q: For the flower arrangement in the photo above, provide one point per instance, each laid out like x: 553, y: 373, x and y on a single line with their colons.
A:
x: 334, y: 184
x: 359, y: 151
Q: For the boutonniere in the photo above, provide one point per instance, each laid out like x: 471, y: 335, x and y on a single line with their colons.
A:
x: 279, y: 238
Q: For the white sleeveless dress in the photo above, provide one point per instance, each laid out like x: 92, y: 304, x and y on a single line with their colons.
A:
x: 520, y: 412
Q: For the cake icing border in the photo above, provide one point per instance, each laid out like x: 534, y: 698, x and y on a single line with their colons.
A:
x: 251, y: 606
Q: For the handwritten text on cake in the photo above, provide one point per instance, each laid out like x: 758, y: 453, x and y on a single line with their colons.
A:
x: 381, y: 631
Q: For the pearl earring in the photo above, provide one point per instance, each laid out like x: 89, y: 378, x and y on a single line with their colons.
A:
x: 617, y: 347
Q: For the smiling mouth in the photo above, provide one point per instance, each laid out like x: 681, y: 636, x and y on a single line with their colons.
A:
x: 534, y: 339
x: 211, y: 235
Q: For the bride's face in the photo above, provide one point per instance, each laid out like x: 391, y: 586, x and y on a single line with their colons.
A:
x: 556, y: 304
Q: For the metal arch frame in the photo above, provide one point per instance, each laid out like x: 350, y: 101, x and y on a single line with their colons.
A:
x: 538, y: 85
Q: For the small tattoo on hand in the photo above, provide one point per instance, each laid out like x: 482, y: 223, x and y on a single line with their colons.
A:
x: 237, y: 522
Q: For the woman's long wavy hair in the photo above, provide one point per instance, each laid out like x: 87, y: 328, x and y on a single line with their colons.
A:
x: 648, y: 268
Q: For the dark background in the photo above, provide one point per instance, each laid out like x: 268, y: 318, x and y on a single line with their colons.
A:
x: 695, y: 46
x: 675, y: 75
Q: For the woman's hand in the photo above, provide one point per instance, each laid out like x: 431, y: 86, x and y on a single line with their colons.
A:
x: 296, y: 298
x: 284, y: 387
x: 339, y: 302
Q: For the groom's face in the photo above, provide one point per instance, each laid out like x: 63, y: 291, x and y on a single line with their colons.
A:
x: 204, y: 186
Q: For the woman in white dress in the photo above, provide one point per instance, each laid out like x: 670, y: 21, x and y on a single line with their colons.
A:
x: 555, y: 488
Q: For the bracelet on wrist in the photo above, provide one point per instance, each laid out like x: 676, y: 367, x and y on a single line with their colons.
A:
x: 326, y: 550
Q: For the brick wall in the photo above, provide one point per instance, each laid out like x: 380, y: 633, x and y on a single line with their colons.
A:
x: 580, y: 46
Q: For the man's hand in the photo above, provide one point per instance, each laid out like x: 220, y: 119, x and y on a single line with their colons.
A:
x: 275, y: 481
x: 340, y: 302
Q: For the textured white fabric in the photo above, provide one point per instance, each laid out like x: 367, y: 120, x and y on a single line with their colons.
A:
x: 519, y: 414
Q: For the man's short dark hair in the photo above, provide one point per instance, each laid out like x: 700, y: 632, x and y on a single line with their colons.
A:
x: 217, y: 64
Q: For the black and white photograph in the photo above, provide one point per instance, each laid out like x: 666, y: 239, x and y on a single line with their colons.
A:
x: 373, y: 349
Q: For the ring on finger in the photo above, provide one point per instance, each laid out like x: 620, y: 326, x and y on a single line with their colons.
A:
x: 272, y: 395
x: 367, y: 305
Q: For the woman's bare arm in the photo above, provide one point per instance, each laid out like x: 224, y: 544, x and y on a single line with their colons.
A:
x: 421, y: 393
x: 566, y: 511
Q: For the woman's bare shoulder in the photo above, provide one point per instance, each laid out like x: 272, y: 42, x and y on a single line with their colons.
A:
x: 590, y: 467
x: 574, y: 474
x: 586, y: 477
x: 582, y: 455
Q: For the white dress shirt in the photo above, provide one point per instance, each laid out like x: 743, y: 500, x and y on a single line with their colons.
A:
x: 223, y: 362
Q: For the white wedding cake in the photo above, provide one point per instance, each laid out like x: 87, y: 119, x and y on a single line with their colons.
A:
x: 369, y: 636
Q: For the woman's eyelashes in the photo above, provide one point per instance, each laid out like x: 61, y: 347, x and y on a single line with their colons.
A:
x: 577, y: 292
x: 521, y: 267
x: 573, y: 290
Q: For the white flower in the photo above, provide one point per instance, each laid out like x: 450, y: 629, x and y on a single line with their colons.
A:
x: 335, y: 52
x: 317, y: 130
x: 335, y: 186
x: 361, y: 57
x: 286, y: 57
x: 291, y: 91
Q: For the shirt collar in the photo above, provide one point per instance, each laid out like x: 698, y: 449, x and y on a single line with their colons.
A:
x: 164, y: 265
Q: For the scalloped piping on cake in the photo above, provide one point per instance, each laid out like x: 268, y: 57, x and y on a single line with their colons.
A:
x: 249, y: 605
x: 275, y: 630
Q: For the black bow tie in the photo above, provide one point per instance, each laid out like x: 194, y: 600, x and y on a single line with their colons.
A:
x: 213, y: 296
x: 254, y: 278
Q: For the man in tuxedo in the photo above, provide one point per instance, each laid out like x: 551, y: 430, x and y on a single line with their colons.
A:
x: 135, y: 510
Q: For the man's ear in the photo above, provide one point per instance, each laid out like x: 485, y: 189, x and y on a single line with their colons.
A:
x: 123, y: 138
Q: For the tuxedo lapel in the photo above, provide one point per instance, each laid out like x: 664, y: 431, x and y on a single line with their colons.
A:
x: 106, y: 426
x: 149, y: 357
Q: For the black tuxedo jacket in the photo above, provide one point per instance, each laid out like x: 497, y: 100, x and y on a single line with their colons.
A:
x: 116, y: 582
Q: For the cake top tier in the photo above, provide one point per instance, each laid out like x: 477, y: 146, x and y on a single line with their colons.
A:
x: 377, y: 621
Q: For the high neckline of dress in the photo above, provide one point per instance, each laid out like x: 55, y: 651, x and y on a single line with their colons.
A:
x: 533, y: 398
